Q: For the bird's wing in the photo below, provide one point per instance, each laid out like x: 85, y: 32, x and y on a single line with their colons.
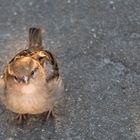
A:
x: 51, y: 66
x: 48, y: 62
x: 55, y: 88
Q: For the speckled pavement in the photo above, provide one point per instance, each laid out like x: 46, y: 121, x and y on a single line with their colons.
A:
x: 97, y: 45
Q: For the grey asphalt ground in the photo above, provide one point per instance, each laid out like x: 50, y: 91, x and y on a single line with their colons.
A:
x: 97, y: 45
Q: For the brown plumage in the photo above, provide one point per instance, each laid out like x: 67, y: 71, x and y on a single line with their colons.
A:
x: 31, y: 80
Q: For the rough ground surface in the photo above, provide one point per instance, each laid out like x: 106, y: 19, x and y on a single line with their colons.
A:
x: 97, y: 44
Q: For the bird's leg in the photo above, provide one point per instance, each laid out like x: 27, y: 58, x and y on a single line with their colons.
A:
x: 21, y: 117
x: 47, y: 114
x: 50, y: 113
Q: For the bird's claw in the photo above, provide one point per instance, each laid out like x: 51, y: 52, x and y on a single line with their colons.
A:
x: 21, y: 117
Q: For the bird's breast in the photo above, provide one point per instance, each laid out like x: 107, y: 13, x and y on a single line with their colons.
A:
x: 30, y: 99
x: 28, y: 89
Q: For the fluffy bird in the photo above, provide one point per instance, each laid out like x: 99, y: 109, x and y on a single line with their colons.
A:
x: 31, y: 80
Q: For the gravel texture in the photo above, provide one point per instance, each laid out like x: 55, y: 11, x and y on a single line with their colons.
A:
x: 97, y: 45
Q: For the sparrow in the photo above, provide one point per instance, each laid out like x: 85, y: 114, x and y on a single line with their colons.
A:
x: 31, y: 80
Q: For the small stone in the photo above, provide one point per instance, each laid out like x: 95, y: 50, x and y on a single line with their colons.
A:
x: 15, y: 13
x: 30, y: 3
x: 111, y: 2
x: 94, y: 35
x: 106, y: 61
x: 79, y: 99
x: 112, y: 5
x: 8, y: 35
x: 84, y: 52
x: 91, y: 42
x: 9, y: 138
x: 52, y: 42
x: 92, y: 29
x: 108, y: 87
x: 113, y: 8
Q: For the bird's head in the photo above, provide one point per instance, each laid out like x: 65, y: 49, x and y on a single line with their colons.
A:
x: 24, y: 70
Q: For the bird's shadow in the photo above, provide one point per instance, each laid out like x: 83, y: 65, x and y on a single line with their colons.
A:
x: 33, y: 125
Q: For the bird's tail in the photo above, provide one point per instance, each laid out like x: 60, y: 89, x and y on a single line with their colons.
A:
x: 35, y: 39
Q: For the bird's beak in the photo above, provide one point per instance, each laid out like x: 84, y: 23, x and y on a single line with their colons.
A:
x: 26, y: 79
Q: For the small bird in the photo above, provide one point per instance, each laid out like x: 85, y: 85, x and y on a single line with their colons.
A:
x: 31, y: 80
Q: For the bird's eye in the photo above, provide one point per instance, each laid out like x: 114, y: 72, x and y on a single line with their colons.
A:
x: 16, y: 79
x: 32, y: 73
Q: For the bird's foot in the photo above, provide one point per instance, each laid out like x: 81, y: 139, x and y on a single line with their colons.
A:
x: 21, y: 117
x: 48, y: 114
